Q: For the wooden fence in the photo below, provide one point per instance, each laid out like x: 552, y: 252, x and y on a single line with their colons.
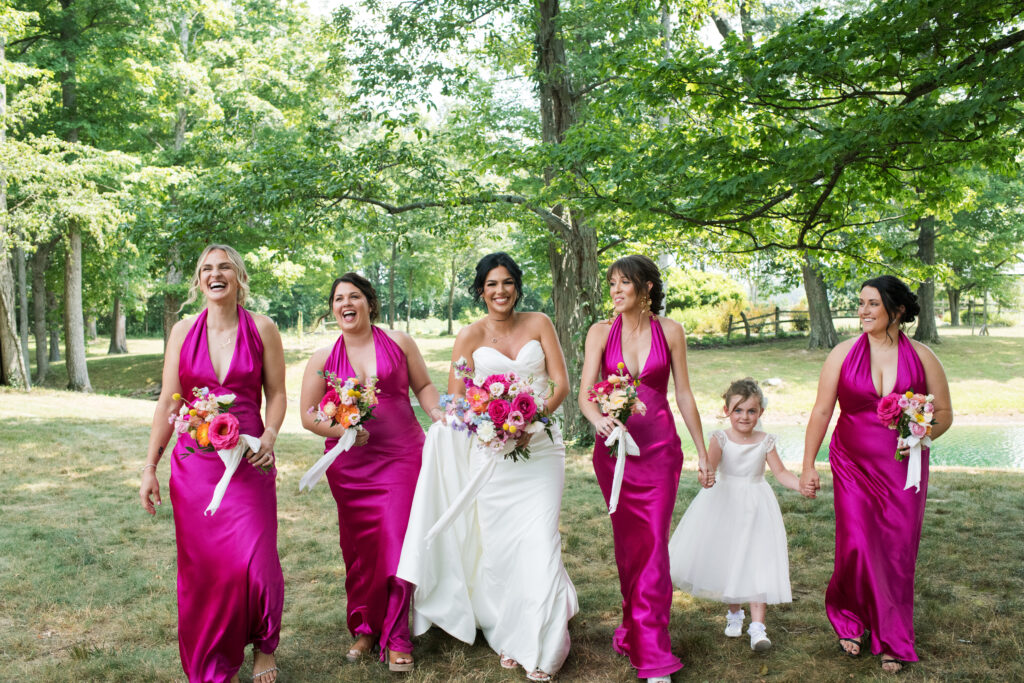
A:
x: 774, y: 321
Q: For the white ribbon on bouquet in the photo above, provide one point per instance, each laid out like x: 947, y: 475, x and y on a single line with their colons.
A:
x: 914, y: 463
x: 231, y: 457
x: 627, y: 446
x: 316, y: 472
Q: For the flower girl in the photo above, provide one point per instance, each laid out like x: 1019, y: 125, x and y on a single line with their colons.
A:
x: 730, y: 545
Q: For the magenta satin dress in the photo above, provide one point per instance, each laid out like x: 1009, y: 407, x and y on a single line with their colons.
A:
x: 230, y: 585
x: 373, y: 486
x: 878, y: 524
x: 641, y: 523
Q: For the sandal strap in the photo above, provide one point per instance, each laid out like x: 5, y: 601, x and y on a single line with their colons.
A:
x: 257, y: 674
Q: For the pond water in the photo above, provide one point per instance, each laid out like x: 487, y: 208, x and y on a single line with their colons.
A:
x: 999, y: 446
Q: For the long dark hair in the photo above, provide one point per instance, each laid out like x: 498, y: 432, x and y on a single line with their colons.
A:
x: 489, y: 263
x: 895, y: 295
x: 364, y: 286
x: 640, y: 270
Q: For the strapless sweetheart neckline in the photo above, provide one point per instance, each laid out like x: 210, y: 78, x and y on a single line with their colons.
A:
x: 506, y: 356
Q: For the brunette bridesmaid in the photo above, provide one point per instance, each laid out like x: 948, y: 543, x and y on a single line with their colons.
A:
x: 230, y: 586
x: 878, y: 510
x: 650, y: 346
x: 374, y: 481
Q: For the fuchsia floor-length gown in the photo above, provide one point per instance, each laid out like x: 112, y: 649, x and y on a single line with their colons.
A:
x: 230, y: 585
x: 878, y: 524
x: 373, y: 486
x: 640, y: 525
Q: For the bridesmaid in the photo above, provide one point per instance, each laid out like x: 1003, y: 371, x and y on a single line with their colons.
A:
x: 878, y: 522
x: 373, y: 483
x: 230, y: 586
x: 650, y: 346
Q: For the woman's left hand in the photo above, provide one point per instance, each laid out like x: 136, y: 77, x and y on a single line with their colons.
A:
x: 436, y: 414
x: 523, y: 439
x: 903, y: 449
x: 264, y: 457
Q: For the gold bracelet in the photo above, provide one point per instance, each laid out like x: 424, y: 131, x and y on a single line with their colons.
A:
x: 147, y: 466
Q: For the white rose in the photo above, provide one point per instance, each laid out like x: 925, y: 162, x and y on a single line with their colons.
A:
x: 496, y: 389
x: 485, y: 432
x: 226, y: 398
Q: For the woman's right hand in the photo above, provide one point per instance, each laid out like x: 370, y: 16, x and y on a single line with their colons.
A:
x: 810, y: 483
x: 362, y: 436
x: 149, y: 487
x: 606, y: 425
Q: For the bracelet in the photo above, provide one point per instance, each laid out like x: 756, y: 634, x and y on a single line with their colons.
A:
x: 147, y: 466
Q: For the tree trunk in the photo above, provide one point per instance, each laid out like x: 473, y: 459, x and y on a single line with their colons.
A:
x: 926, y: 332
x: 90, y: 327
x: 74, y: 328
x: 391, y: 285
x: 954, y: 305
x: 823, y: 331
x: 52, y: 316
x: 40, y: 262
x: 408, y: 301
x: 172, y: 301
x: 118, y: 322
x: 451, y: 295
x: 19, y: 261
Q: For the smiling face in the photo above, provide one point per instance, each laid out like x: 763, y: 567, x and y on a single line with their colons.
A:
x: 499, y: 293
x: 218, y: 279
x: 871, y: 311
x: 624, y: 292
x: 350, y: 307
x: 744, y: 413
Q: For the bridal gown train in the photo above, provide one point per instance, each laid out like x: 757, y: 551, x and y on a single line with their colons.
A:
x: 498, y: 567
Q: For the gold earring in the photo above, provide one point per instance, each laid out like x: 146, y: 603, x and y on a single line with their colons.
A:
x: 645, y: 305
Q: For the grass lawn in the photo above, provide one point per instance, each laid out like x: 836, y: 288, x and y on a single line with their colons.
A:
x: 87, y: 580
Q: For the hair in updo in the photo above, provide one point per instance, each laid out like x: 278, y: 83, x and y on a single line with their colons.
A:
x: 641, y: 270
x: 895, y: 295
x: 743, y: 388
x: 364, y: 286
x: 488, y: 263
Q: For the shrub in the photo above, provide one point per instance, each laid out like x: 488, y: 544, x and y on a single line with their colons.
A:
x: 692, y: 289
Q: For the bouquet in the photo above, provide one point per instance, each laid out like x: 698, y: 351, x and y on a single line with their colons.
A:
x: 912, y: 415
x: 207, y: 420
x: 617, y: 397
x: 348, y: 403
x: 498, y: 410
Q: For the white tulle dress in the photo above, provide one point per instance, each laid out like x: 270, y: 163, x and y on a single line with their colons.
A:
x: 498, y: 567
x: 730, y: 544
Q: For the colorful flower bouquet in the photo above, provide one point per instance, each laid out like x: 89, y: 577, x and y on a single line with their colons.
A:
x: 912, y: 415
x: 207, y: 420
x: 498, y: 410
x: 349, y: 403
x: 617, y: 398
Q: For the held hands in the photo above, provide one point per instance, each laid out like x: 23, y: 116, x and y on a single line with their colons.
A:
x: 264, y: 457
x: 705, y: 475
x: 149, y: 487
x: 436, y: 414
x: 810, y: 483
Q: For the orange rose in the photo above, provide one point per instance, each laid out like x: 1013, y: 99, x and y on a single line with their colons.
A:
x: 203, y: 434
x: 343, y: 416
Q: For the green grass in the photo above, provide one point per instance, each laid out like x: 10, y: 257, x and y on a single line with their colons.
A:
x: 87, y: 580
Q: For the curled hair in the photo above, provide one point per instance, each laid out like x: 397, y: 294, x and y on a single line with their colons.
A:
x: 237, y: 265
x: 895, y: 295
x: 488, y: 263
x: 364, y: 286
x: 641, y: 271
x: 744, y: 388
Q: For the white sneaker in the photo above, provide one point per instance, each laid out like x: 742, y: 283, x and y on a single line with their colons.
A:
x: 734, y: 623
x: 660, y: 679
x: 758, y: 637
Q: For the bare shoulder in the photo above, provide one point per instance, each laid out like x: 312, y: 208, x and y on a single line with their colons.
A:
x: 841, y: 350
x: 180, y: 330
x: 404, y: 341
x: 319, y: 356
x: 924, y: 352
x: 600, y: 329
x: 537, y: 321
x: 264, y: 324
x: 672, y: 329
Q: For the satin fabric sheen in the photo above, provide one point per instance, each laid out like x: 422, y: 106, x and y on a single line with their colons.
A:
x: 498, y: 566
x: 878, y: 524
x: 373, y: 486
x: 641, y: 524
x: 230, y: 585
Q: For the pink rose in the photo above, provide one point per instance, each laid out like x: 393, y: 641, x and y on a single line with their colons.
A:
x: 918, y: 429
x: 330, y: 397
x: 889, y: 409
x: 224, y: 431
x: 498, y: 410
x: 524, y: 403
x: 929, y: 407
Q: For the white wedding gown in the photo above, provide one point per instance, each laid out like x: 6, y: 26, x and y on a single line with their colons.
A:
x: 498, y: 567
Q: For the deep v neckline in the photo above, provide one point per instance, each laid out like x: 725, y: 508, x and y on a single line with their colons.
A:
x: 376, y: 360
x: 234, y: 349
x: 871, y: 374
x: 622, y: 353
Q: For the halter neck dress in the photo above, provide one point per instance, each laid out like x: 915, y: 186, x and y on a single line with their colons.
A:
x: 641, y: 524
x: 373, y: 487
x: 878, y: 523
x: 230, y: 585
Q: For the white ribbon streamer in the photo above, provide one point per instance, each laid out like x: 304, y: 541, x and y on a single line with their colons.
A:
x: 914, y: 464
x: 626, y: 447
x: 231, y: 457
x: 316, y: 472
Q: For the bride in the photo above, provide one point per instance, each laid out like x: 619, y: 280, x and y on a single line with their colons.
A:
x: 498, y: 566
